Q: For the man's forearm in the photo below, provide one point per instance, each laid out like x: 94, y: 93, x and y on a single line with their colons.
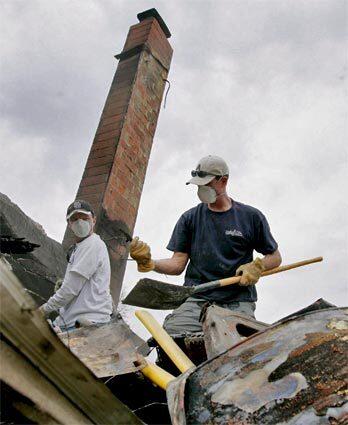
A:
x: 172, y: 266
x: 167, y: 266
x: 271, y: 261
x: 57, y: 301
x: 68, y: 291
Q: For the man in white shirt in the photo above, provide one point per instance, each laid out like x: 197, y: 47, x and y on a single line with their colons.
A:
x: 85, y: 291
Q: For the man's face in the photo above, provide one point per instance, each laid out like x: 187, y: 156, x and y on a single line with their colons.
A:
x: 82, y: 216
x: 218, y: 184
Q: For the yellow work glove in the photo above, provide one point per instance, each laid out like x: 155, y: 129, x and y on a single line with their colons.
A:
x: 141, y: 253
x: 250, y: 272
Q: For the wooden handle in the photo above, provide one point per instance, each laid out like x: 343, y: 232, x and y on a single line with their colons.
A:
x: 174, y: 352
x: 157, y: 375
x: 292, y: 266
x: 230, y: 280
x: 236, y: 279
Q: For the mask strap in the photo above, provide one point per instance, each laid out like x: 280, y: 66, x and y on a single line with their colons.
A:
x: 223, y: 193
x: 220, y: 194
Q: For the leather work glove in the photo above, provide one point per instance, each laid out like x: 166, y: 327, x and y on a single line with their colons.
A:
x: 250, y: 272
x: 141, y: 253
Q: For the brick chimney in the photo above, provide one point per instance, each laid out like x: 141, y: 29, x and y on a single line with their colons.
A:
x: 115, y: 171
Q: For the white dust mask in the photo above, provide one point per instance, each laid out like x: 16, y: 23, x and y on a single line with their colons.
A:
x: 81, y: 228
x: 207, y: 194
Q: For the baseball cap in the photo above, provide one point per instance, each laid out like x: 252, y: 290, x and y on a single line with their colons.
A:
x: 207, y: 169
x: 79, y: 206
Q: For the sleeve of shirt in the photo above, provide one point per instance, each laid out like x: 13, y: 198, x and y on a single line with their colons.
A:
x: 71, y: 287
x: 180, y: 240
x: 264, y: 241
x: 85, y: 261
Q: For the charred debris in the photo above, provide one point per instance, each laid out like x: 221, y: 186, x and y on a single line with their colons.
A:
x: 293, y: 371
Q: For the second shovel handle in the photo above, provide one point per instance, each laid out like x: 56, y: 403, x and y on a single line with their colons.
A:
x: 236, y: 279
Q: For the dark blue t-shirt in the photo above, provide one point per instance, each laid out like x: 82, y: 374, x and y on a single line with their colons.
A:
x: 218, y: 243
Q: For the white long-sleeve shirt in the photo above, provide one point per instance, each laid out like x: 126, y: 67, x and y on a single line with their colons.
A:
x: 85, y: 291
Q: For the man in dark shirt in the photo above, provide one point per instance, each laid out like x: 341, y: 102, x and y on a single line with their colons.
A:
x: 217, y: 239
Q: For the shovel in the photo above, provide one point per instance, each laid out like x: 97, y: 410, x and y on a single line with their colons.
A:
x: 157, y: 295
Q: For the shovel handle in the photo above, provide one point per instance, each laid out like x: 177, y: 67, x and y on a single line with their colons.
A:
x: 236, y: 279
x: 292, y: 266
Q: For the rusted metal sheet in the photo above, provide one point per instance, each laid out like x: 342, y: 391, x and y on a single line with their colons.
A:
x: 294, y: 372
x: 224, y: 328
x: 107, y: 350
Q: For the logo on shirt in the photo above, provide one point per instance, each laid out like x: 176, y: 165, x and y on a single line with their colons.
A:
x: 233, y: 232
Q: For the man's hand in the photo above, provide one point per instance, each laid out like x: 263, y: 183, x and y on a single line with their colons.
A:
x: 58, y: 284
x: 141, y: 253
x: 250, y: 272
x: 42, y: 309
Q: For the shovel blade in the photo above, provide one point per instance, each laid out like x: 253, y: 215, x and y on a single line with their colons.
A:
x: 157, y: 295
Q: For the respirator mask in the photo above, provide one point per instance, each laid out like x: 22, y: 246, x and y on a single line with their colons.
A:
x: 81, y: 228
x: 206, y: 194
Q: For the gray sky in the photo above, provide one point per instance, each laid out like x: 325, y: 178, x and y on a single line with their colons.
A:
x: 260, y: 83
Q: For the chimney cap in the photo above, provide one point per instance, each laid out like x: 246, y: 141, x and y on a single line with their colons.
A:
x: 152, y: 13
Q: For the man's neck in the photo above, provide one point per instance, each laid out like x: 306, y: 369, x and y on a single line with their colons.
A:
x: 222, y: 203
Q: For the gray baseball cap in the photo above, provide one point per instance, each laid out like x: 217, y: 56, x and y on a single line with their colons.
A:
x: 207, y: 169
x: 79, y: 206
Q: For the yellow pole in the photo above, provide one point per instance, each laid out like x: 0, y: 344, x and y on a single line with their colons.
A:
x: 157, y: 375
x: 179, y: 358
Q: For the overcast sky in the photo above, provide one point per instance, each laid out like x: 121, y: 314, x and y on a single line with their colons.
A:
x: 260, y: 83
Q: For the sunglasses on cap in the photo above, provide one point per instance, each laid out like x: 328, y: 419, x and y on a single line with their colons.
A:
x: 199, y: 173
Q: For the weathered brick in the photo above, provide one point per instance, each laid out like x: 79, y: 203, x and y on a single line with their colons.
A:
x: 98, y: 153
x: 93, y: 180
x: 119, y: 92
x: 114, y: 119
x: 105, y: 144
x: 136, y: 40
x: 128, y: 63
x: 142, y: 26
x: 114, y: 111
x: 124, y: 84
x: 103, y: 160
x: 100, y: 137
x: 106, y: 128
x: 94, y: 171
x: 93, y: 198
x: 92, y: 189
x: 117, y: 163
x: 117, y: 102
x: 125, y: 77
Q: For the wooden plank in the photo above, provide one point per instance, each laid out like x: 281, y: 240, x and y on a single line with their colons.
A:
x: 107, y: 350
x: 19, y: 374
x: 26, y: 329
x: 34, y: 414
